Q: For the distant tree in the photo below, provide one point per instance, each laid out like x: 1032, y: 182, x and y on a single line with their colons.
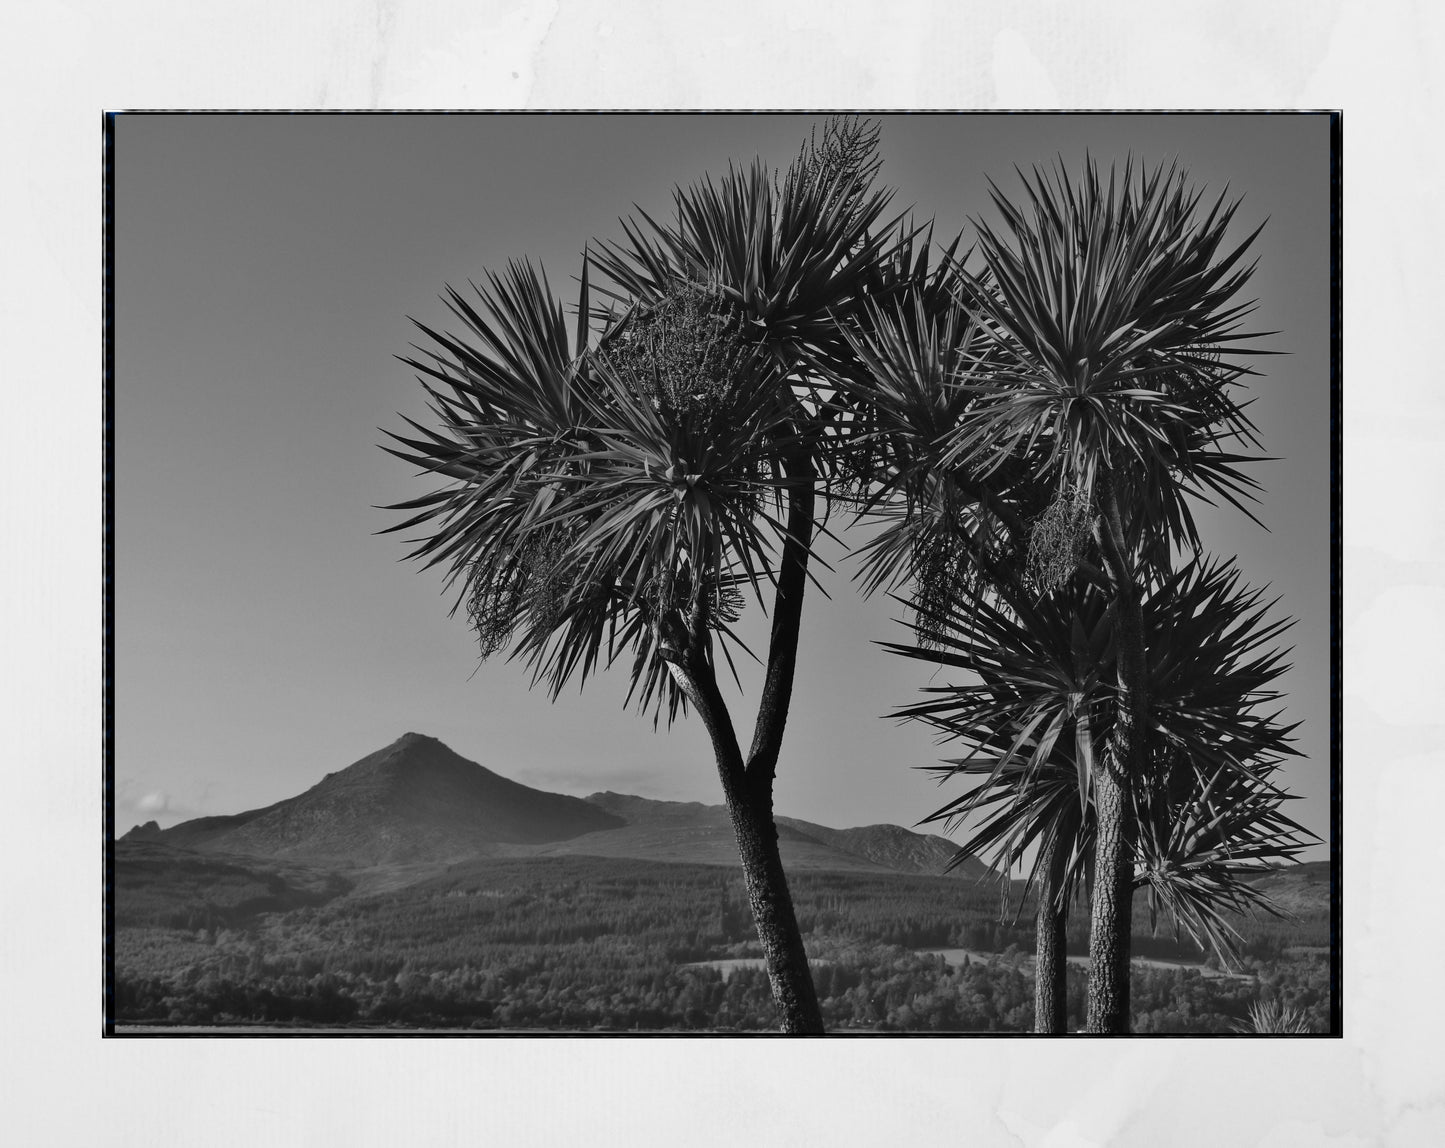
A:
x: 628, y: 494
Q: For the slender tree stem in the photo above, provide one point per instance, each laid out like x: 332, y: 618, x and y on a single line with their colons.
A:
x: 787, y: 621
x: 1111, y: 911
x: 749, y: 799
x: 1050, y: 976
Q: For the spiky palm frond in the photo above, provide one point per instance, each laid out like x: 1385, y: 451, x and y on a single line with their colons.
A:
x: 903, y: 401
x: 1273, y: 1017
x: 1208, y: 817
x: 509, y: 409
x: 1201, y: 840
x: 1015, y: 810
x: 1203, y: 835
x: 1044, y: 670
x: 902, y: 394
x: 1212, y: 666
x: 586, y: 515
x: 1115, y: 304
x: 793, y: 261
x: 672, y: 511
x: 607, y: 495
x: 1049, y: 665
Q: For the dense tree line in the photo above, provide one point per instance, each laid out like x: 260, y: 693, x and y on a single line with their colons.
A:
x: 587, y: 943
x: 873, y: 987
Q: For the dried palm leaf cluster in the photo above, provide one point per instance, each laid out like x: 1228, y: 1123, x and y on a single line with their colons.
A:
x: 717, y: 594
x: 684, y: 352
x: 1057, y: 540
x: 536, y: 585
x: 493, y: 609
x: 943, y: 576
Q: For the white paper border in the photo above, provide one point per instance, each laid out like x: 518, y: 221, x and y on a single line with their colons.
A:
x: 66, y: 63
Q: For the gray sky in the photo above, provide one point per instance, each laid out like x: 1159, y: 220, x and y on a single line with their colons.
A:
x: 265, y: 270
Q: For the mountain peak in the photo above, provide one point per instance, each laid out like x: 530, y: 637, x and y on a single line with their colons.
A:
x: 414, y: 800
x: 146, y: 832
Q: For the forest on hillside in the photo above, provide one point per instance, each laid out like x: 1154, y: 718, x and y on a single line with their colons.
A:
x: 580, y: 943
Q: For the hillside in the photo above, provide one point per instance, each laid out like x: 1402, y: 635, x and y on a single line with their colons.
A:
x: 702, y: 834
x: 158, y: 885
x: 580, y: 943
x: 1301, y: 890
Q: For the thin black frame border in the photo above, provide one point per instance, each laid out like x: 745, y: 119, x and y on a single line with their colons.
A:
x: 108, y: 557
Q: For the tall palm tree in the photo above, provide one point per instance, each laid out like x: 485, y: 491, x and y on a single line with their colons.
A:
x: 1054, y: 412
x: 1112, y: 306
x: 1208, y: 816
x: 623, y: 493
x: 1030, y: 822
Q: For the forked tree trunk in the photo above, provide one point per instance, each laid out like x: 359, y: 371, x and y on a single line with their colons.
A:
x: 748, y: 784
x: 1051, y: 1004
x: 750, y: 807
x: 749, y: 798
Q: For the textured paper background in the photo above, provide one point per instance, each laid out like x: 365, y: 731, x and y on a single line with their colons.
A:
x: 65, y: 63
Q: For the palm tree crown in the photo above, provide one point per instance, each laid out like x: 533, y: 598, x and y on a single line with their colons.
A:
x: 1114, y: 307
x: 1208, y: 815
x: 618, y: 494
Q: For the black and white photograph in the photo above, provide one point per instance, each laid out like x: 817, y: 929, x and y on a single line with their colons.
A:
x: 719, y: 575
x: 555, y: 554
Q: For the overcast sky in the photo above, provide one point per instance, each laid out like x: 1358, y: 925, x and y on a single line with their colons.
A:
x: 266, y: 267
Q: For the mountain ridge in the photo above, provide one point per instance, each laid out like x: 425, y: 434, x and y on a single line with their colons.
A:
x: 417, y: 800
x: 413, y: 800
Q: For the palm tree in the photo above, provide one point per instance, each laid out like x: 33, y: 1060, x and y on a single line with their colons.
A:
x: 1208, y: 816
x: 1029, y: 721
x: 1013, y: 812
x: 1111, y: 307
x: 623, y: 494
x: 954, y: 538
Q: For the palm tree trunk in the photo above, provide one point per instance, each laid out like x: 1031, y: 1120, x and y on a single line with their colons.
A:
x: 772, y: 904
x: 750, y: 807
x: 751, y: 802
x: 1111, y: 911
x: 1050, y: 979
x: 748, y: 785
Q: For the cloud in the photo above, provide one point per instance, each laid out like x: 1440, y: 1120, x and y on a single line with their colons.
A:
x: 136, y: 804
x: 154, y: 803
